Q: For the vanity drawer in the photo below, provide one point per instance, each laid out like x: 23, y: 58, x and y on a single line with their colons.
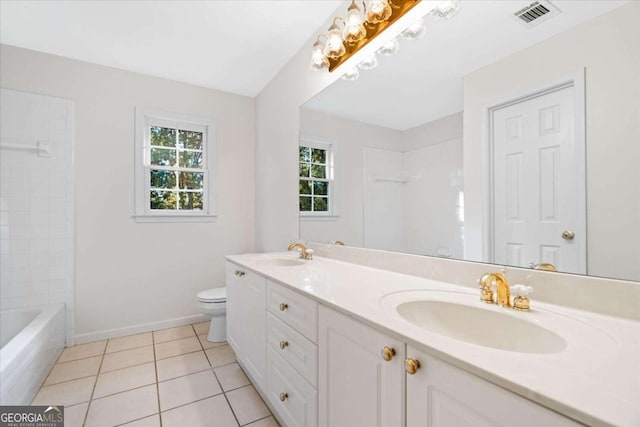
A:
x: 293, y: 398
x: 301, y: 353
x: 299, y: 312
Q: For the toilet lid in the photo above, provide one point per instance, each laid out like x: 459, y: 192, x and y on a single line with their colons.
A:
x: 213, y: 295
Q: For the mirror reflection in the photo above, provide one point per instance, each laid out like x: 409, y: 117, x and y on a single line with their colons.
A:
x: 488, y: 139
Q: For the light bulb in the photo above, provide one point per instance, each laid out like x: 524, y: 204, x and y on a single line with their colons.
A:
x: 319, y: 62
x: 389, y: 48
x: 369, y: 63
x: 446, y: 9
x: 335, y: 46
x: 351, y: 75
x: 354, y: 30
x: 414, y: 31
x: 378, y: 11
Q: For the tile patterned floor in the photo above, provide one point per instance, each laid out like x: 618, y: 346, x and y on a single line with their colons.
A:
x: 170, y: 378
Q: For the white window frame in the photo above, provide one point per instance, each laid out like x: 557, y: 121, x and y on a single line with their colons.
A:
x: 330, y: 147
x: 144, y: 119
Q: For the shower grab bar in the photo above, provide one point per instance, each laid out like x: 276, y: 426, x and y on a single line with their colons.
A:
x: 41, y: 148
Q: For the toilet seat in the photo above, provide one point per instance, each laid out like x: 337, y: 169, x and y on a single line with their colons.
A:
x: 215, y: 295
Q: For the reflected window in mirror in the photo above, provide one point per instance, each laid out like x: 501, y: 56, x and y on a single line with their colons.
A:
x: 316, y: 183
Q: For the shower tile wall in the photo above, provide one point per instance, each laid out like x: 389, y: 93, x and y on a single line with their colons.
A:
x: 36, y: 202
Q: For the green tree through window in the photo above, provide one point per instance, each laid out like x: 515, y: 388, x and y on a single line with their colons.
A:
x: 314, y: 180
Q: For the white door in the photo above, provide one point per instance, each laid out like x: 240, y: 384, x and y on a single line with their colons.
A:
x: 235, y: 327
x: 538, y: 166
x: 356, y: 386
x: 254, y: 303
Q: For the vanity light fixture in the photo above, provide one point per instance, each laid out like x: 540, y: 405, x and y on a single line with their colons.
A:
x: 352, y: 42
x: 369, y: 63
x: 319, y: 62
x: 446, y: 10
x: 389, y: 48
x: 351, y: 75
x: 354, y: 29
x: 335, y: 48
x: 414, y: 31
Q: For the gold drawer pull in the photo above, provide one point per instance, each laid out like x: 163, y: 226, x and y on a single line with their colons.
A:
x: 284, y: 344
x: 284, y: 396
x: 388, y: 353
x: 283, y: 306
x: 239, y: 273
x: 412, y: 366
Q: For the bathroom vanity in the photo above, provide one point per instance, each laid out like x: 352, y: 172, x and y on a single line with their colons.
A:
x: 333, y: 343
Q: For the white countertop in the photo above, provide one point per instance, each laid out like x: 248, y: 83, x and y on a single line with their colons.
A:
x: 594, y: 380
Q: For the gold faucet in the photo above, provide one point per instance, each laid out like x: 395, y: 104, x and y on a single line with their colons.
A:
x: 502, y: 287
x: 304, y: 252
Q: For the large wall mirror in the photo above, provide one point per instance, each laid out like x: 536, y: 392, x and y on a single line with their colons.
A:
x: 488, y: 139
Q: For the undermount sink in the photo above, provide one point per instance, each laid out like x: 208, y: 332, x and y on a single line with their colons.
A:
x: 480, y: 326
x: 281, y: 262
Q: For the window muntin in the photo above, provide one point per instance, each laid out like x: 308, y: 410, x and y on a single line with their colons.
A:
x: 175, y: 160
x: 315, y: 185
x: 177, y: 172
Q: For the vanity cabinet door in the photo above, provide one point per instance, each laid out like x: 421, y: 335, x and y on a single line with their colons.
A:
x: 246, y: 320
x: 255, y: 329
x: 356, y: 386
x: 234, y: 308
x: 440, y: 395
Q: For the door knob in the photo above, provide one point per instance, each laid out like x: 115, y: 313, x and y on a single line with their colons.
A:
x: 412, y: 366
x: 568, y: 235
x: 388, y: 353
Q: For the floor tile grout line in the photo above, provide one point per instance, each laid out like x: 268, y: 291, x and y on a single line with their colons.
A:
x: 95, y: 384
x: 192, y: 402
x: 155, y: 366
x: 66, y: 381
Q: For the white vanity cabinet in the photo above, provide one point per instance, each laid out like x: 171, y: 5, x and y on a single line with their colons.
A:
x: 357, y: 386
x: 440, y: 395
x: 292, y: 356
x: 246, y: 329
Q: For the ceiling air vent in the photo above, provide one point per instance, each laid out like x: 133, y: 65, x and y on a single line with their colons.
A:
x: 536, y: 13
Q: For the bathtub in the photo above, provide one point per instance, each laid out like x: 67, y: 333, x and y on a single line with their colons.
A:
x: 32, y: 339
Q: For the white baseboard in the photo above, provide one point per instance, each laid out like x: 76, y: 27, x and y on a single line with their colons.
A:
x: 137, y: 329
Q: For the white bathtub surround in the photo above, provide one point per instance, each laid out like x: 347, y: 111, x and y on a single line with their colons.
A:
x: 36, y: 202
x: 32, y: 339
x: 592, y: 380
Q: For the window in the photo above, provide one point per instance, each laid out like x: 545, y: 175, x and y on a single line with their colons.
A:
x: 174, y: 167
x: 316, y: 184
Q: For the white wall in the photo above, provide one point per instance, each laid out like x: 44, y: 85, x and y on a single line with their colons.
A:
x: 609, y: 48
x: 36, y: 203
x: 132, y: 276
x: 350, y: 139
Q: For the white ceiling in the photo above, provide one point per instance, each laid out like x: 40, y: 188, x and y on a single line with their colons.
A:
x: 424, y: 81
x: 235, y: 46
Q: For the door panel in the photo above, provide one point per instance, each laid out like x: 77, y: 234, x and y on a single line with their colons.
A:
x: 538, y: 183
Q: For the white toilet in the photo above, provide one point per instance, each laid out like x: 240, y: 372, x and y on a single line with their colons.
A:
x: 213, y: 302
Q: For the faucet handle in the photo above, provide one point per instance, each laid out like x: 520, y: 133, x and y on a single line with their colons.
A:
x: 309, y: 254
x: 521, y: 301
x: 521, y: 289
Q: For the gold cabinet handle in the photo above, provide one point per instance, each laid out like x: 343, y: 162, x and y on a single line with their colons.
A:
x: 412, y: 366
x: 388, y: 353
x: 283, y: 306
x: 284, y: 396
x: 284, y: 344
x: 239, y: 273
